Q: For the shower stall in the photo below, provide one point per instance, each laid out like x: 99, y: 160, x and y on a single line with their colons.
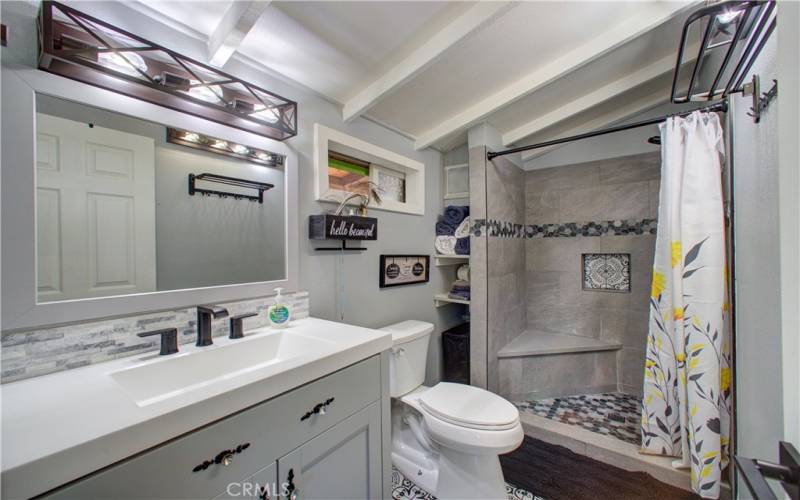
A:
x: 562, y: 267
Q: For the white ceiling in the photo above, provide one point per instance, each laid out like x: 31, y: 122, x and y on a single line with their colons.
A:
x: 432, y: 69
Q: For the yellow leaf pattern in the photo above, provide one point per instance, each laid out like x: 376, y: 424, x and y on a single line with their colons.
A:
x: 676, y: 253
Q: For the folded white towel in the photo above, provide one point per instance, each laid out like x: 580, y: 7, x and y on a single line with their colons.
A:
x: 462, y: 231
x: 445, y: 245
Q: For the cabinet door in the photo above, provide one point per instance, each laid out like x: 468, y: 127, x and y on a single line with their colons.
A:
x: 341, y: 463
x: 263, y: 485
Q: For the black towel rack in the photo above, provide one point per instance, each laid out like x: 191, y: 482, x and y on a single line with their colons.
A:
x: 230, y: 181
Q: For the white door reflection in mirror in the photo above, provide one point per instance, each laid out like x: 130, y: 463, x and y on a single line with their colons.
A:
x: 96, y: 215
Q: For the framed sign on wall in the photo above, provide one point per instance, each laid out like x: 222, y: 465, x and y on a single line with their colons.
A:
x: 398, y: 270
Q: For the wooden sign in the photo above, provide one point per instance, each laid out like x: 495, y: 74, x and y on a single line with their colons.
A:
x: 398, y: 270
x: 342, y: 227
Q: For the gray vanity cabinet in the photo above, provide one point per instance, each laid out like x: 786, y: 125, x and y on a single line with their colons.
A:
x: 262, y: 485
x: 335, y: 451
x: 343, y: 463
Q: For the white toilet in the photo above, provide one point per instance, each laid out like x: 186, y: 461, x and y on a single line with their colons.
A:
x: 446, y: 438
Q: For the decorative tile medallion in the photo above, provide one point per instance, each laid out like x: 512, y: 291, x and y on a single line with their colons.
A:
x: 504, y: 229
x: 611, y: 414
x: 608, y: 272
x: 404, y: 489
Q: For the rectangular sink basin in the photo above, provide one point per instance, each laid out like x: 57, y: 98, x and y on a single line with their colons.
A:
x: 179, y: 374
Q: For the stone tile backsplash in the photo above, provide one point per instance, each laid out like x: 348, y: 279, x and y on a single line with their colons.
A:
x: 27, y: 354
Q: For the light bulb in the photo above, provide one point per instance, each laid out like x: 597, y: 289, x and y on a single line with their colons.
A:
x: 191, y: 136
x: 219, y: 145
x: 208, y: 93
x: 239, y: 149
x: 127, y: 64
x: 264, y: 156
x: 728, y: 16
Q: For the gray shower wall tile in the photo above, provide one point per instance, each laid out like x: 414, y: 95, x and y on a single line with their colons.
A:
x: 477, y: 182
x: 655, y: 190
x: 605, y: 202
x: 632, y: 370
x: 618, y: 188
x: 27, y: 354
x: 541, y: 207
x: 567, y: 177
x: 634, y: 168
x: 538, y: 377
x: 506, y: 183
x: 478, y: 346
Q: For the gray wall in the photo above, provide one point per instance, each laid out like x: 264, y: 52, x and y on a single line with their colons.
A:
x: 342, y: 288
x: 758, y: 274
x: 200, y: 241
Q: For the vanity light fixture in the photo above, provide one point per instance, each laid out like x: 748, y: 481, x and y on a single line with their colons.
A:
x: 222, y: 147
x: 77, y: 46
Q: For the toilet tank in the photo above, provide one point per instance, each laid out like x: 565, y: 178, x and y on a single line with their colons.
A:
x: 409, y: 355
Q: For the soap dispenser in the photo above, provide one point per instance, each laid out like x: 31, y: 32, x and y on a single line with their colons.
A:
x: 279, y: 314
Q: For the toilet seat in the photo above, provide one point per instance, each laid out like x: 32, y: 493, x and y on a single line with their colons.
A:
x: 467, y: 406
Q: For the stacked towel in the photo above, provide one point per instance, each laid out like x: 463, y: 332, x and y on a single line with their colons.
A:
x: 444, y: 229
x: 462, y: 231
x: 454, y: 214
x: 452, y: 231
x: 460, y: 290
x: 445, y: 245
x: 462, y: 246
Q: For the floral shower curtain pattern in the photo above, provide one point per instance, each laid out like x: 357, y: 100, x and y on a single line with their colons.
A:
x: 686, y: 409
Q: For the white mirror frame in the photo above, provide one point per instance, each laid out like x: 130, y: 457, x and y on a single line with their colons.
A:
x: 20, y: 309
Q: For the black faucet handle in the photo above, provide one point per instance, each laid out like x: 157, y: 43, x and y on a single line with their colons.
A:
x: 215, y: 311
x: 236, y: 330
x: 169, y: 340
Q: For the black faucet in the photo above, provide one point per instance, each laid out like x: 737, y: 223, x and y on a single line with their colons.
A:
x: 204, y: 315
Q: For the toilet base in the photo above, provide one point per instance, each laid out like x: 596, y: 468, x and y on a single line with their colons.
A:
x: 464, y: 476
x: 425, y: 478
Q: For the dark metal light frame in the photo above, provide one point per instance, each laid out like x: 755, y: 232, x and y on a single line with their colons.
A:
x: 755, y: 24
x: 71, y: 44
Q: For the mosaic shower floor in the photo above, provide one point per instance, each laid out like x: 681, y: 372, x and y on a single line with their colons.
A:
x: 611, y: 414
x: 405, y: 489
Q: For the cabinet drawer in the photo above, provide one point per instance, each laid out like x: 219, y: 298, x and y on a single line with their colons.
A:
x: 264, y: 433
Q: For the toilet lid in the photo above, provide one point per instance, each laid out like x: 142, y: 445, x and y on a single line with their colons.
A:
x: 469, y: 406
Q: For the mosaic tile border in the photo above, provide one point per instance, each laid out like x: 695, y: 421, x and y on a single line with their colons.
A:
x: 32, y: 353
x: 504, y: 229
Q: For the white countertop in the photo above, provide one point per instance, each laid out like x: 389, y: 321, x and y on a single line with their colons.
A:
x: 59, y: 427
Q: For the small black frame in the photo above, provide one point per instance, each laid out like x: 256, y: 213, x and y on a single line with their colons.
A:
x: 413, y: 276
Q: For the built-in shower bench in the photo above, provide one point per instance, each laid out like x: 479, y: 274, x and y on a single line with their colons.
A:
x: 537, y: 343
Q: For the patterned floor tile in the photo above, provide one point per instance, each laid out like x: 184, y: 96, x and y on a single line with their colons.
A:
x: 612, y: 414
x: 405, y: 489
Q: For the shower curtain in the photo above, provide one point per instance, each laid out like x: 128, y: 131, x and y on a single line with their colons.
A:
x: 687, y: 381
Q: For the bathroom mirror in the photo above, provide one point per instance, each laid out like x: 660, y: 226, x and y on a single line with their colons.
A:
x: 98, y: 215
x: 119, y: 213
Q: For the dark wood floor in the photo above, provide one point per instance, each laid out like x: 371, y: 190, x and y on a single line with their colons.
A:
x: 556, y: 473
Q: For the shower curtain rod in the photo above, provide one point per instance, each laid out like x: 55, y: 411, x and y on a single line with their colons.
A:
x: 721, y: 107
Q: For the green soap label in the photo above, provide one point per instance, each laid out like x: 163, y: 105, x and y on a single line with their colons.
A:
x: 279, y: 314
